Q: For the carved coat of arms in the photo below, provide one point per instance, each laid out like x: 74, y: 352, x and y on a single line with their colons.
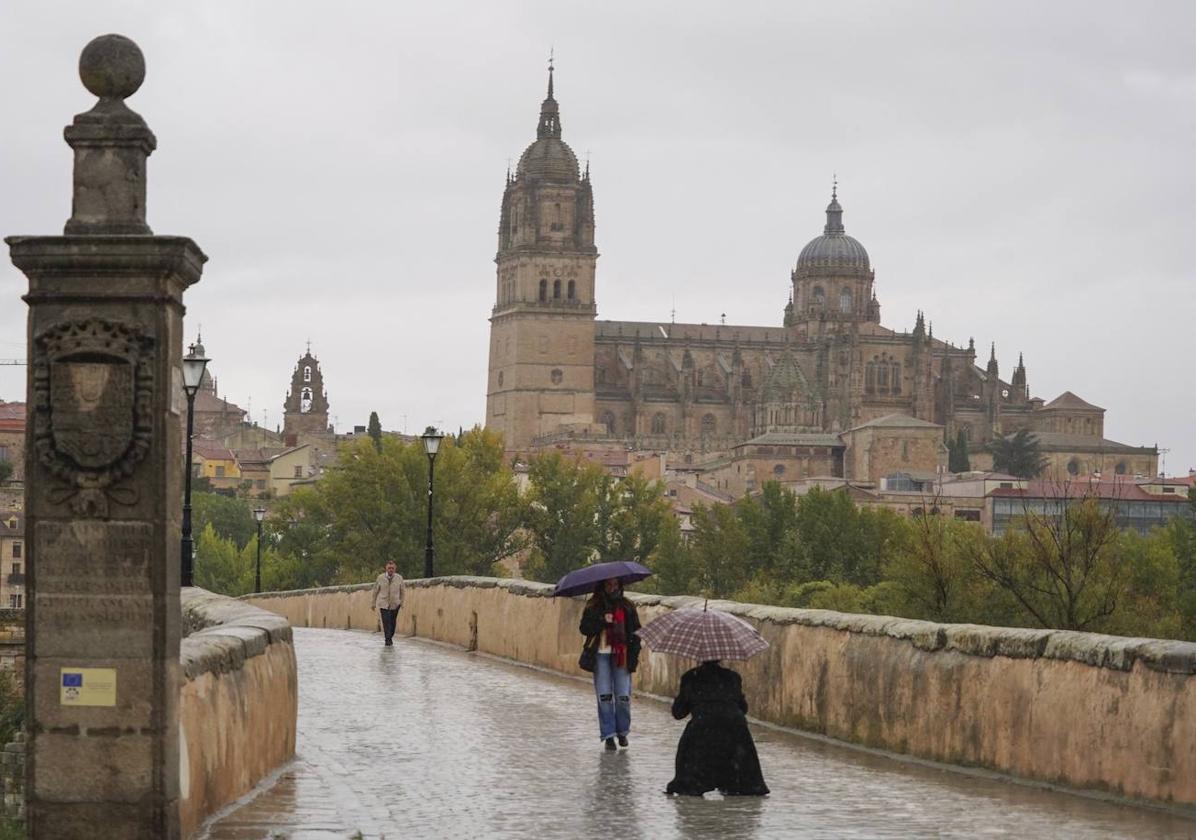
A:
x: 92, y: 409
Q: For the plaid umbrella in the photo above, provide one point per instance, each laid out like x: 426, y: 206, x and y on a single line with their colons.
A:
x: 703, y: 635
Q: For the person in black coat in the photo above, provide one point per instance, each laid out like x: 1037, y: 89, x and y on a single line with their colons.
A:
x: 716, y: 751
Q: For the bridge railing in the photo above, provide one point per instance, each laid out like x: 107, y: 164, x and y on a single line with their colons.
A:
x: 238, y: 703
x: 1096, y: 713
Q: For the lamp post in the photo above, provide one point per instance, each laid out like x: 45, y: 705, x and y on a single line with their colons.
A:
x: 259, y: 513
x: 431, y: 439
x: 194, y: 366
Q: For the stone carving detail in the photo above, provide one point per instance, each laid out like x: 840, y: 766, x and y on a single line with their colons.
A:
x: 93, y: 385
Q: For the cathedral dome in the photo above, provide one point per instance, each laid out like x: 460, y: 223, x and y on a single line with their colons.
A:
x: 834, y: 249
x: 549, y: 158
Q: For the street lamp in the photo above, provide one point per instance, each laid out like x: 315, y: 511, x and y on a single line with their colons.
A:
x: 194, y: 366
x: 431, y: 439
x: 259, y: 513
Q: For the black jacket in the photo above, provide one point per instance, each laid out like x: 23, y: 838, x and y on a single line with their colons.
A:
x: 592, y: 625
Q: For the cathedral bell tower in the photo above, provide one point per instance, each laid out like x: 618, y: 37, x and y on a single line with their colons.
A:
x: 305, y: 411
x: 541, y: 374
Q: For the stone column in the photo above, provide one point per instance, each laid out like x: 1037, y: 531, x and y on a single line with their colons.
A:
x: 103, y: 460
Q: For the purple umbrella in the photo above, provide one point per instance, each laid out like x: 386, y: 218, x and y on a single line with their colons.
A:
x: 582, y: 581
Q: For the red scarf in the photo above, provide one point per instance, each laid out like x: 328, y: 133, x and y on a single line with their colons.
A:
x: 616, y: 634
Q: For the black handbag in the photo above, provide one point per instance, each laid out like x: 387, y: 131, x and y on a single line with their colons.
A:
x: 588, y: 658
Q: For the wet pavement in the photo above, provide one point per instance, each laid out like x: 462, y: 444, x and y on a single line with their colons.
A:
x: 423, y: 740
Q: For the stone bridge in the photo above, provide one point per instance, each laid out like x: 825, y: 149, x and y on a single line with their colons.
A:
x: 478, y: 724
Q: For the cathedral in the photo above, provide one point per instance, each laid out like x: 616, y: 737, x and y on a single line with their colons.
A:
x: 810, y: 384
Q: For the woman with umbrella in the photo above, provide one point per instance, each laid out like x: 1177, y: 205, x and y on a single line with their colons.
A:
x: 716, y: 751
x: 611, y: 649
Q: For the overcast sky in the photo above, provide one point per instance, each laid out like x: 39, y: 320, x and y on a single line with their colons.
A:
x: 1021, y: 171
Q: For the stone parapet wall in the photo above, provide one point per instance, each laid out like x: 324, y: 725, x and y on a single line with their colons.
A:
x: 1099, y: 713
x: 238, y: 704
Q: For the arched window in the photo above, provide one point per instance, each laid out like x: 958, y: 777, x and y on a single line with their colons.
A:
x: 746, y: 379
x: 543, y: 290
x: 307, y: 373
x: 556, y: 376
x: 709, y: 425
x: 572, y: 290
x: 869, y: 377
x: 882, y: 378
x: 1073, y: 467
x: 845, y: 300
x: 658, y: 427
x: 1120, y: 469
x: 778, y: 470
x: 819, y: 296
x: 608, y: 420
x: 305, y: 401
x: 699, y: 378
x: 556, y: 289
x: 895, y: 381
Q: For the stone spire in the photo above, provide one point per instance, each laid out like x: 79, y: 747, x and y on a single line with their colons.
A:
x: 834, y: 213
x: 550, y: 113
x: 111, y: 143
x: 992, y: 361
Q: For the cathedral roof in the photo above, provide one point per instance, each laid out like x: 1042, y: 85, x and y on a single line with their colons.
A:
x: 549, y: 157
x: 834, y: 249
x: 785, y: 378
x: 898, y: 421
x: 1069, y: 400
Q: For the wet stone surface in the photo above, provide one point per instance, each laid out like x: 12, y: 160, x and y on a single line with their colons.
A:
x: 423, y: 740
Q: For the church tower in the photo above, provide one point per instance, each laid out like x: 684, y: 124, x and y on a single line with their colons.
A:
x: 305, y: 411
x: 541, y: 372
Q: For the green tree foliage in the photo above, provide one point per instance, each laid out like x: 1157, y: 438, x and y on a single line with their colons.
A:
x: 958, y: 459
x: 842, y: 542
x: 636, y: 516
x: 1062, y: 566
x: 375, y: 430
x: 569, y: 507
x: 932, y: 575
x: 231, y: 517
x: 718, y: 550
x: 1018, y: 454
x: 371, y: 507
x: 673, y: 572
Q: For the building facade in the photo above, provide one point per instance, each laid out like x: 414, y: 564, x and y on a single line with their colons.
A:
x: 828, y: 367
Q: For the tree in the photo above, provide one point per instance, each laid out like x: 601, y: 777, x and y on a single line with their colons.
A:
x: 843, y: 543
x: 1061, y: 566
x: 1018, y: 455
x: 636, y: 515
x: 932, y: 575
x: 670, y: 562
x: 770, y: 523
x: 957, y: 457
x: 230, y: 517
x: 718, y: 549
x: 375, y: 430
x: 568, y: 508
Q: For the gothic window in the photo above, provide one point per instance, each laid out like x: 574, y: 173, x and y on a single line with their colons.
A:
x: 709, y: 425
x: 699, y: 379
x: 556, y: 289
x: 966, y: 428
x: 556, y: 376
x: 870, y: 377
x: 1073, y: 467
x: 572, y: 293
x: 1120, y: 468
x: 882, y: 378
x: 305, y: 401
x: 557, y: 223
x: 819, y: 296
x: 895, y: 381
x: 307, y: 373
x: 608, y: 420
x: 658, y: 424
x: 845, y: 300
x: 746, y: 379
x: 544, y: 290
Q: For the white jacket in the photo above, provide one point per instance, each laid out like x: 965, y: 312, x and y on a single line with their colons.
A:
x: 388, y: 593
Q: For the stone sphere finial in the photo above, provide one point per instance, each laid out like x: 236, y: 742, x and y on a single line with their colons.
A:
x: 112, y: 67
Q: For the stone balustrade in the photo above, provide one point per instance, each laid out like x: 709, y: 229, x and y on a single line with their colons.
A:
x: 238, y: 704
x: 1095, y: 713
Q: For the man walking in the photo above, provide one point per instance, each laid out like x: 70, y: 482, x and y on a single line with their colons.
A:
x: 388, y: 597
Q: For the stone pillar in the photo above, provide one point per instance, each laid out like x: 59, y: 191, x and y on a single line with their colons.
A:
x: 103, y: 460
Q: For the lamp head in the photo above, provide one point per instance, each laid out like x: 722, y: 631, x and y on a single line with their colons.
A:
x: 431, y: 439
x: 259, y: 513
x: 194, y: 366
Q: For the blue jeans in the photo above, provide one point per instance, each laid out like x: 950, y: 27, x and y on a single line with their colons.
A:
x: 612, y: 685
